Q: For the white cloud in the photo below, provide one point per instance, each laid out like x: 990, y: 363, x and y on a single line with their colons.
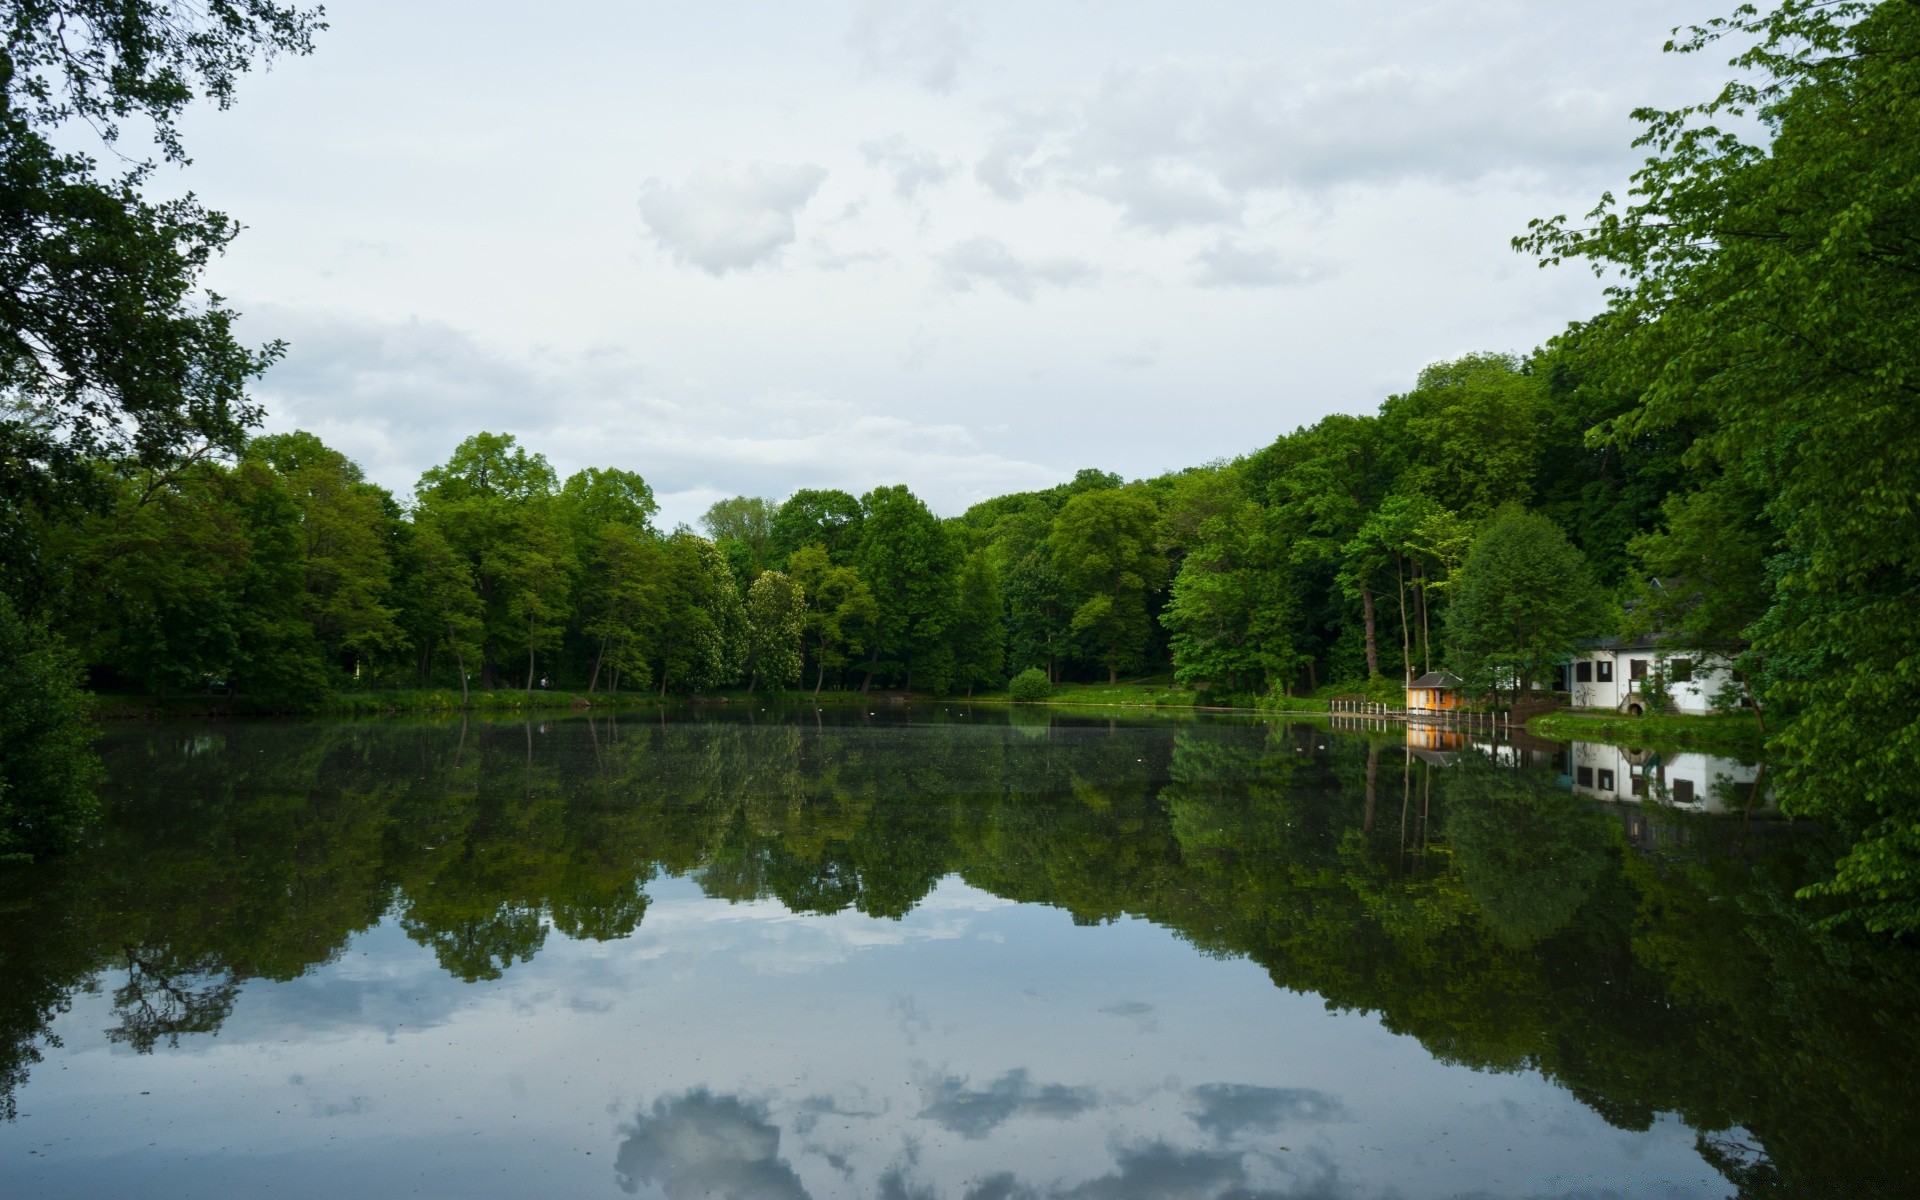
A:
x: 912, y: 168
x: 1228, y: 263
x: 986, y: 260
x: 723, y: 219
x: 1177, y: 142
x: 924, y: 40
x: 398, y: 397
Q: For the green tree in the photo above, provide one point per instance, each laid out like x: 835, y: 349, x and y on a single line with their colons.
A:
x: 1768, y: 258
x: 979, y: 630
x: 1467, y: 435
x: 703, y: 636
x: 1103, y: 547
x: 49, y: 769
x: 346, y: 533
x: 1233, y: 609
x: 492, y: 502
x: 1524, y: 596
x: 444, y: 607
x: 839, y: 610
x: 908, y: 561
x: 622, y: 602
x: 742, y: 526
x: 827, y: 518
x: 776, y: 618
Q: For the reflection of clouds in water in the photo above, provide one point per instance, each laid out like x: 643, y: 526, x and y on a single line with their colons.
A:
x: 1623, y: 1187
x: 974, y: 1114
x: 1229, y: 1109
x: 1001, y: 1187
x: 699, y: 1144
x: 1133, y: 1010
x: 1162, y: 1171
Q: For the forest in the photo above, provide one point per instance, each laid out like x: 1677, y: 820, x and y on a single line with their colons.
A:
x: 1726, y: 453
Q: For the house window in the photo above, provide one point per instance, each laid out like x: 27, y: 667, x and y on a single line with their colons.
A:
x: 1606, y: 781
x: 1681, y: 669
x: 1603, y: 670
x: 1584, y: 776
x: 1683, y: 791
x: 1637, y: 669
x: 1583, y: 672
x: 1640, y: 785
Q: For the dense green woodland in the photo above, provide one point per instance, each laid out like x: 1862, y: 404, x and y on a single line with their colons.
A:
x: 1729, y: 452
x: 1479, y: 909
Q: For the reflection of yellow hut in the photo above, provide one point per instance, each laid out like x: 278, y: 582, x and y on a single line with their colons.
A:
x: 1422, y: 736
x: 1436, y: 691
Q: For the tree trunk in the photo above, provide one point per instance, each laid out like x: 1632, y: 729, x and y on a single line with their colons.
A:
x: 1373, y: 642
x: 1426, y: 628
x: 1113, y: 676
x: 1373, y: 776
x: 753, y: 678
x: 529, y: 657
x: 459, y: 664
x: 597, y: 656
x: 1406, y: 630
x: 820, y: 674
x: 866, y: 685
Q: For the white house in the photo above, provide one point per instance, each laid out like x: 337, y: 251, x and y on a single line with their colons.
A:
x: 1615, y: 673
x: 1707, y: 783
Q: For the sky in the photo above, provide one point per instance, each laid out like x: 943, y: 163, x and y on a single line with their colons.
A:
x: 746, y: 247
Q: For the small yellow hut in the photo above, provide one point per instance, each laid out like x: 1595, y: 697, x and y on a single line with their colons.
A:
x: 1436, y: 691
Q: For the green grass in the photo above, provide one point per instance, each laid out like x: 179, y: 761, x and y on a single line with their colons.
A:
x: 1735, y: 732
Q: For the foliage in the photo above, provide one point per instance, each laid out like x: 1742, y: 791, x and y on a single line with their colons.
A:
x: 1103, y: 548
x: 979, y: 633
x: 1525, y: 595
x: 1767, y: 266
x: 776, y: 613
x: 48, y: 769
x: 1029, y: 687
x: 839, y: 611
x: 908, y: 562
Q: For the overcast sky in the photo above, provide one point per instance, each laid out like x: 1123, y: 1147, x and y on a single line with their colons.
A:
x: 749, y: 247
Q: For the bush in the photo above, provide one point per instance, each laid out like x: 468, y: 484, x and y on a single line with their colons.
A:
x: 47, y: 767
x: 1030, y: 686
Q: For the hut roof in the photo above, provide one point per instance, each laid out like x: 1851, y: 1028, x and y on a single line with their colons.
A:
x: 1437, y: 679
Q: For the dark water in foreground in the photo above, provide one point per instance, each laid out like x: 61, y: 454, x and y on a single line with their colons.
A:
x: 941, y: 955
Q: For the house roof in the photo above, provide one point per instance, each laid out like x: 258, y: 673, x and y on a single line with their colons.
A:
x: 1437, y: 679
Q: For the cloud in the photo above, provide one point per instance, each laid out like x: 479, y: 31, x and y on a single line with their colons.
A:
x: 986, y: 260
x: 924, y: 40
x: 1181, y: 143
x: 398, y: 396
x: 722, y: 219
x: 1165, y: 1173
x: 912, y: 168
x: 1227, y: 1110
x: 699, y: 1144
x: 1227, y: 263
x: 973, y: 1114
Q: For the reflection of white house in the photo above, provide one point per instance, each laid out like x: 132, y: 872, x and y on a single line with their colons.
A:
x: 1617, y: 674
x: 1706, y: 783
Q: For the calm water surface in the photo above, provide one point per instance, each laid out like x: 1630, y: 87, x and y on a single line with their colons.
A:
x: 936, y: 954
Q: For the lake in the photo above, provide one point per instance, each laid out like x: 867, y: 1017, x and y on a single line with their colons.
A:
x: 938, y: 952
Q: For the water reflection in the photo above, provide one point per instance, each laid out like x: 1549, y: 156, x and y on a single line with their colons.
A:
x: 823, y: 945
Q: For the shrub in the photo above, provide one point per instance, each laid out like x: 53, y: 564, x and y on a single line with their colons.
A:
x: 1030, y: 686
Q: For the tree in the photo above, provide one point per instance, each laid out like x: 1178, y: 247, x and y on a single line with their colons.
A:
x: 827, y: 518
x: 908, y: 562
x: 346, y: 534
x: 491, y: 500
x: 839, y: 609
x: 101, y: 337
x: 1768, y: 268
x: 1524, y: 596
x: 622, y: 604
x: 1233, y: 610
x: 49, y: 769
x: 1467, y: 435
x: 703, y: 637
x: 741, y: 526
x: 1103, y: 547
x: 776, y: 615
x: 979, y: 632
x: 446, y: 607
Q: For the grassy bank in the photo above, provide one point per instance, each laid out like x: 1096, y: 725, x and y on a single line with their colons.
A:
x: 1734, y: 733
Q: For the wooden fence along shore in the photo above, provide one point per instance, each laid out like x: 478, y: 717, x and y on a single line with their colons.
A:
x: 1454, y: 718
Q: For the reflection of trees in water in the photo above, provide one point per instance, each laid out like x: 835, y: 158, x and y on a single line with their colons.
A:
x: 1473, y: 906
